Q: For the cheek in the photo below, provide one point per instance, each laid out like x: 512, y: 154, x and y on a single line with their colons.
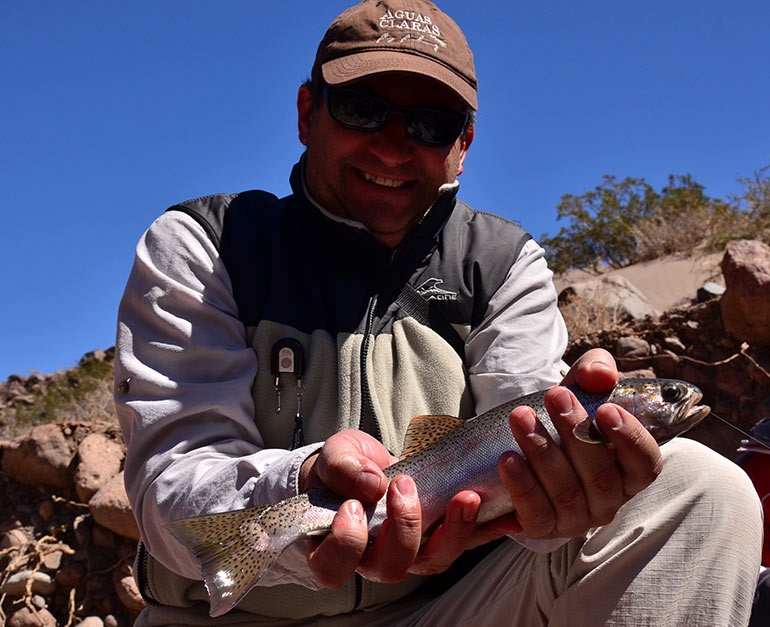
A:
x: 451, y: 167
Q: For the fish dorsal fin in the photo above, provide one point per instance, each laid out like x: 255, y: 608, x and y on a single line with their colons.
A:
x: 586, y: 431
x: 425, y: 430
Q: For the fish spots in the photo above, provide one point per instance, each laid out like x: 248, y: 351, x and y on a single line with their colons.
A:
x: 237, y: 548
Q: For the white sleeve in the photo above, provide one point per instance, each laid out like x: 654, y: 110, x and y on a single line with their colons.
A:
x: 184, y: 405
x: 517, y: 349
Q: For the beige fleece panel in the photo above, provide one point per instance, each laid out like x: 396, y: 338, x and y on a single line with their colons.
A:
x: 404, y: 369
x: 411, y: 372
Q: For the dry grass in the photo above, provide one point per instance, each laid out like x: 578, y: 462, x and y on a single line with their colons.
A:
x: 674, y: 235
x: 584, y: 316
x: 81, y: 394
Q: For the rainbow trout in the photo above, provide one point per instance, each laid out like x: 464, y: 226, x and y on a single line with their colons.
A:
x: 444, y: 455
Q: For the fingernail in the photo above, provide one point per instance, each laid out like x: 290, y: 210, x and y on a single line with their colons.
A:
x: 355, y: 510
x: 612, y: 417
x: 469, y: 513
x: 599, y: 365
x: 514, y: 464
x: 562, y: 401
x: 368, y: 483
x: 406, y: 488
x: 466, y: 513
x: 526, y: 421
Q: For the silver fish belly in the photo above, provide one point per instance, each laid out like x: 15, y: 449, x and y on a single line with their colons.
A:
x: 444, y: 455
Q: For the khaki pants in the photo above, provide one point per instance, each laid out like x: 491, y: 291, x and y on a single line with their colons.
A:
x: 685, y: 551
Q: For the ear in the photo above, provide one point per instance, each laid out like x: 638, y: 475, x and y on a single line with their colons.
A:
x: 304, y: 113
x: 465, y: 143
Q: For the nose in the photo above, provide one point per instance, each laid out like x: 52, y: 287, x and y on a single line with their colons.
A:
x: 391, y: 145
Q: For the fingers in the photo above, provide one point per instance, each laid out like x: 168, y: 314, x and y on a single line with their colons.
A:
x: 389, y: 559
x: 638, y: 454
x: 452, y: 537
x: 350, y: 464
x: 564, y: 489
x: 346, y: 549
x: 534, y: 512
x: 595, y: 465
x: 594, y: 371
x: 550, y: 501
x: 336, y: 558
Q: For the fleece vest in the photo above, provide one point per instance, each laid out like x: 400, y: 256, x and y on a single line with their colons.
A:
x: 376, y: 335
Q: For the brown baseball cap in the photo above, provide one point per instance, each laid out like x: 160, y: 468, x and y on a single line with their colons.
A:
x: 413, y: 36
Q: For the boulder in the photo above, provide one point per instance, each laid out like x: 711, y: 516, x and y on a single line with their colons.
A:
x: 632, y: 346
x: 611, y: 292
x: 127, y: 590
x: 709, y: 290
x: 99, y: 460
x: 745, y: 304
x: 25, y: 617
x: 111, y: 509
x: 43, y: 457
x: 16, y: 584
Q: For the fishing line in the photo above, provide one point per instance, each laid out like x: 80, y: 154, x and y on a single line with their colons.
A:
x: 748, y: 435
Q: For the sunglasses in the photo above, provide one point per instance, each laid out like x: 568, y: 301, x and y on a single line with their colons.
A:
x: 362, y: 111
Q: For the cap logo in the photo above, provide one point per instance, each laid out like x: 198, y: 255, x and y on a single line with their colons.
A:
x: 409, y: 20
x: 412, y: 22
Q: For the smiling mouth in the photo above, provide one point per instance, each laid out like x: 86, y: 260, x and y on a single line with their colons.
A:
x: 382, y: 181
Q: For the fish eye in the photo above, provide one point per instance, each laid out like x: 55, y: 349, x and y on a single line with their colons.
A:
x: 672, y: 392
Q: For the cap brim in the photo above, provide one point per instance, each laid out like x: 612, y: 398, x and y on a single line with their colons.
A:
x: 353, y: 67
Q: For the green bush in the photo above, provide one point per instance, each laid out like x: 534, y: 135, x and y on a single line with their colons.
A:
x: 619, y: 223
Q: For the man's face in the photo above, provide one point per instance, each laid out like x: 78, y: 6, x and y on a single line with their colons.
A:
x: 380, y: 178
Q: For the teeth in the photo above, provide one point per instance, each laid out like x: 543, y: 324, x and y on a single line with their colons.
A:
x: 382, y: 181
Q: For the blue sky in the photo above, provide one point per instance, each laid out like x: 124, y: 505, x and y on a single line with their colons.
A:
x: 113, y: 111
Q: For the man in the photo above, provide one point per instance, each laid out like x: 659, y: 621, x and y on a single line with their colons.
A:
x: 270, y: 346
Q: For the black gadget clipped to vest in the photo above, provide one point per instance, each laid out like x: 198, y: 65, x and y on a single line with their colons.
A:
x: 288, y: 357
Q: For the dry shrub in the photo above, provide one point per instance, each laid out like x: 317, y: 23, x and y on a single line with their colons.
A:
x: 679, y: 234
x: 584, y: 316
x: 81, y: 394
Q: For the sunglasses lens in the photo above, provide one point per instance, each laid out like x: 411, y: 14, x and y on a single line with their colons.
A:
x: 364, y: 112
x: 434, y: 127
x: 356, y: 110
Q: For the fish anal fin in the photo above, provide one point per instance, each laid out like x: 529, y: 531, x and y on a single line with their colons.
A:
x: 586, y: 431
x: 425, y: 430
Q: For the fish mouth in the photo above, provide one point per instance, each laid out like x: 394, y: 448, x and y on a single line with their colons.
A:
x: 694, y: 413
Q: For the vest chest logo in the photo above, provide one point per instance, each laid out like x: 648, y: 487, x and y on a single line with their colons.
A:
x: 430, y: 290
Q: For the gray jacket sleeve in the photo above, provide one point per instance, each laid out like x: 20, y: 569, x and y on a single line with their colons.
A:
x: 185, y: 405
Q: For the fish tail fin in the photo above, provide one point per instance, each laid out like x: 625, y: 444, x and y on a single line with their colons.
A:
x: 235, y: 550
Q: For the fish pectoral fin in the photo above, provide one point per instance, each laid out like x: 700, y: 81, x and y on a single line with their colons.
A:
x: 586, y: 431
x: 425, y: 430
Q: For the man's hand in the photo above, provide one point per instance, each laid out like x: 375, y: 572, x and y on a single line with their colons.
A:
x: 350, y: 464
x: 558, y: 491
x: 562, y: 491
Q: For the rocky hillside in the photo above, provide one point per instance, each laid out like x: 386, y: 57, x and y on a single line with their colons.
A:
x: 68, y: 537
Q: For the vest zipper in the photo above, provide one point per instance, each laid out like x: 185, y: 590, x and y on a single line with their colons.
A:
x: 367, y: 410
x: 142, y: 579
x: 367, y: 404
